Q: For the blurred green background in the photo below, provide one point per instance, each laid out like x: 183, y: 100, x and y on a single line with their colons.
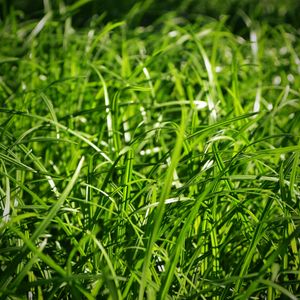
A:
x: 147, y: 11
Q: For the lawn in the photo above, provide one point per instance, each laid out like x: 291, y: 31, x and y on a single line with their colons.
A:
x: 149, y: 160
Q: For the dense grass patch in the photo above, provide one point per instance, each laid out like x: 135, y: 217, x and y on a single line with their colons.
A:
x: 157, y: 162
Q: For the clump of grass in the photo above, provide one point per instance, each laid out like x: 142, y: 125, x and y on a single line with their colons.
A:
x: 156, y: 162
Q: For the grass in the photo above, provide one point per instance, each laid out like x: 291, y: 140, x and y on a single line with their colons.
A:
x: 155, y: 162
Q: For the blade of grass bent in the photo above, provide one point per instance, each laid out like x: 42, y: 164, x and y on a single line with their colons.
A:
x: 52, y: 112
x: 115, y: 290
x: 251, y: 250
x: 15, y: 162
x: 59, y: 202
x: 179, y: 243
x: 161, y: 206
x: 107, y: 104
x: 44, y: 224
x: 6, y: 203
x: 63, y: 127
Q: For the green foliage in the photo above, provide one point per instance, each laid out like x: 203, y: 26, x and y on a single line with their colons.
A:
x: 148, y: 162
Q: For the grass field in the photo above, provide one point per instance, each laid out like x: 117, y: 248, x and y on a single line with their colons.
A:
x: 149, y: 162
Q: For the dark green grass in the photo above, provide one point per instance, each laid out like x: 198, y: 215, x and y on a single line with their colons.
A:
x: 157, y: 162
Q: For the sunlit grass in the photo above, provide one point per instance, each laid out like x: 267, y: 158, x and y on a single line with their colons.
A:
x: 157, y: 162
